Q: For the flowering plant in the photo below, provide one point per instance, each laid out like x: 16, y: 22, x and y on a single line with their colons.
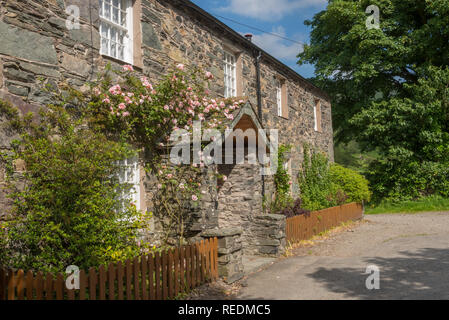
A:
x: 137, y: 111
x: 147, y: 114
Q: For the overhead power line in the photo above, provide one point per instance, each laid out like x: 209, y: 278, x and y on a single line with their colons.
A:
x: 260, y: 30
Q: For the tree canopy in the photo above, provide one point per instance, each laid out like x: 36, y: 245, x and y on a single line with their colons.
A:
x: 389, y: 85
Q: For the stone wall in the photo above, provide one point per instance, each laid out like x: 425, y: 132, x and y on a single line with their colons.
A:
x: 202, y: 215
x: 230, y: 253
x: 240, y: 198
x: 268, y: 233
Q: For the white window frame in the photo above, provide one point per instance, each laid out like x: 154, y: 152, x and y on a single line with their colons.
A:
x: 127, y: 29
x: 130, y: 174
x: 315, y: 115
x: 230, y: 74
x: 279, y: 98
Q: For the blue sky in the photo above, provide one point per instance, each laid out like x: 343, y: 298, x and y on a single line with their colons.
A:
x: 283, y: 17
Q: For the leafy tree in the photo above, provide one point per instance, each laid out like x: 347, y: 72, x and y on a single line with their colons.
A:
x: 389, y: 86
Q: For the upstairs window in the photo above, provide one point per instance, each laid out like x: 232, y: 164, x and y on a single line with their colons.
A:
x: 230, y: 75
x: 116, y: 29
x: 130, y: 175
x: 317, y: 116
x: 279, y: 98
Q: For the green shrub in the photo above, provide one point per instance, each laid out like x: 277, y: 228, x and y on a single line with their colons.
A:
x: 65, y: 205
x: 314, y: 181
x: 323, y: 185
x: 282, y: 182
x: 353, y: 184
x: 407, y: 179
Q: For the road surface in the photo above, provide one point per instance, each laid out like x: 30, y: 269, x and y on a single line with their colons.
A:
x: 411, y: 252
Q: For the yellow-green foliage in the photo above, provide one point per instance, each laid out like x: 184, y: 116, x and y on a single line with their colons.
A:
x: 353, y: 184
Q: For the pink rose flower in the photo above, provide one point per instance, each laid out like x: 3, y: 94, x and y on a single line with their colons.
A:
x: 180, y: 67
x: 194, y: 198
x: 115, y: 90
x: 128, y: 67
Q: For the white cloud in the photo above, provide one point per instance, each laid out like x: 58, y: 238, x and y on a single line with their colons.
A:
x: 278, y: 47
x: 269, y: 10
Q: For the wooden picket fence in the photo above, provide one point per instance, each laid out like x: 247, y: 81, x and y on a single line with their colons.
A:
x: 304, y: 227
x: 161, y: 276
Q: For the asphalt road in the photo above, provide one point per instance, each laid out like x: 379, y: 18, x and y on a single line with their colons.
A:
x: 410, y: 251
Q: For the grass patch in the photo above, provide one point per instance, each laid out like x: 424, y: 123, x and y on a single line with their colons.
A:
x: 423, y: 205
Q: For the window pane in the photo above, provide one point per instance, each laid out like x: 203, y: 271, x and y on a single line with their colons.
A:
x: 115, y: 15
x: 121, y: 38
x: 113, y: 52
x: 114, y: 34
x: 116, y: 3
x: 107, y: 11
x: 100, y: 5
x: 121, y: 52
x: 123, y: 18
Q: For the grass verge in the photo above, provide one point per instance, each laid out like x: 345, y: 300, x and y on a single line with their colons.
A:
x: 423, y: 205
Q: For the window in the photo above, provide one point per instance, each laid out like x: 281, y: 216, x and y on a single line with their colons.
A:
x: 130, y: 174
x: 279, y: 98
x: 116, y: 29
x: 230, y: 79
x: 317, y: 116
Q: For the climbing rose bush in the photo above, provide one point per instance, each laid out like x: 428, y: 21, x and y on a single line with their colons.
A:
x: 146, y: 114
x: 132, y: 108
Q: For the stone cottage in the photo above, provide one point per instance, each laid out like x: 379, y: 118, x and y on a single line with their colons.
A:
x: 70, y: 40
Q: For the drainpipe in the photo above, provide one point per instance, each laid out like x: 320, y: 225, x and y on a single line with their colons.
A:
x: 258, y: 87
x: 259, y: 103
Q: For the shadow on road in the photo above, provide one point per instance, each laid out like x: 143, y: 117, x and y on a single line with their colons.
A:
x: 422, y: 274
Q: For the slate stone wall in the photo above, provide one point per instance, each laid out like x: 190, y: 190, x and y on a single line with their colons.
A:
x: 240, y: 198
x: 230, y: 253
x: 268, y: 232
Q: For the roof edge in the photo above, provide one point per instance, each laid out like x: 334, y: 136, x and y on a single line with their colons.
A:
x: 244, y: 42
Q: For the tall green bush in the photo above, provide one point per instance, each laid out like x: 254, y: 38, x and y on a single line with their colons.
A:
x: 314, y: 181
x: 66, y: 208
x: 354, y: 185
x: 323, y: 185
x: 282, y: 182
